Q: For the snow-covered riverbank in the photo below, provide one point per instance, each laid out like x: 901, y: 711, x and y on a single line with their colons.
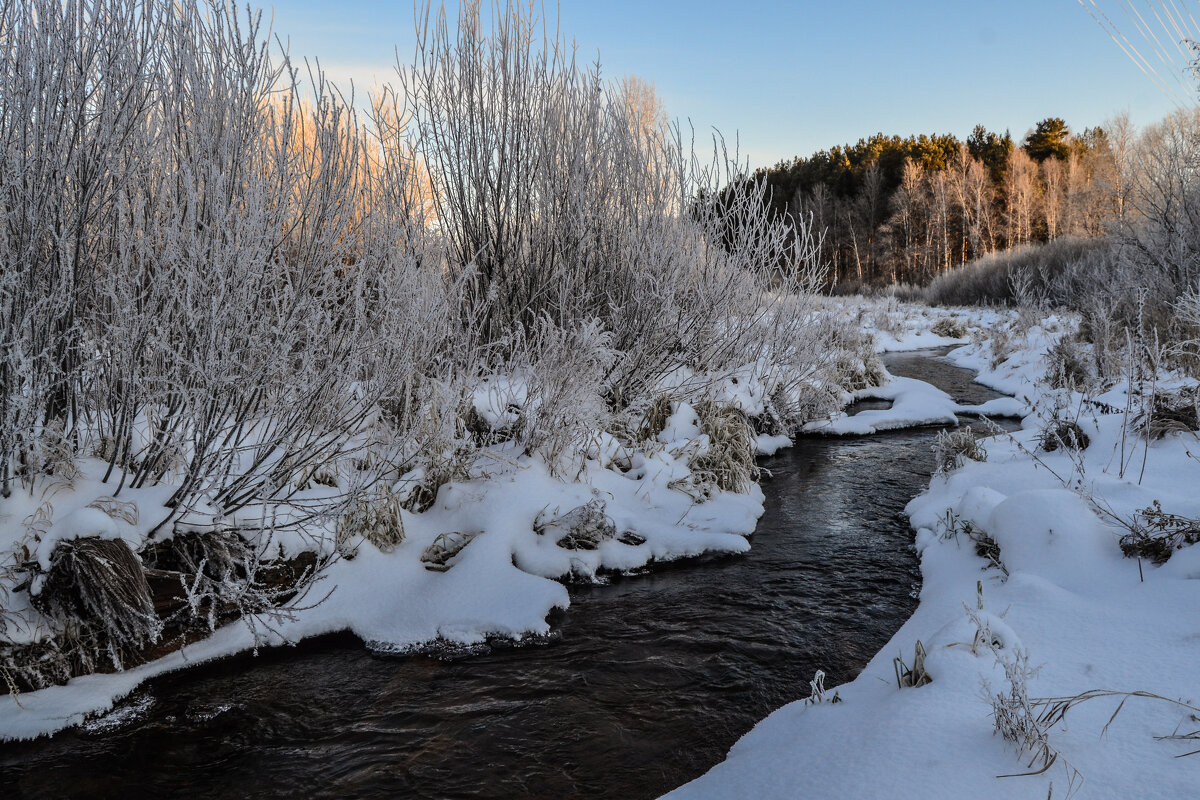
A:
x: 1027, y: 600
x: 503, y: 583
x: 657, y: 502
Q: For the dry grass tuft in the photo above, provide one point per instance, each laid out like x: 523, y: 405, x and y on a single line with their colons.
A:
x: 440, y: 554
x: 101, y: 584
x: 985, y: 546
x: 779, y: 414
x: 1001, y: 346
x: 1067, y: 367
x: 375, y: 516
x: 52, y: 452
x: 655, y: 420
x: 729, y: 462
x: 952, y: 327
x: 582, y: 528
x: 452, y: 465
x: 952, y: 446
x: 914, y: 676
x: 1063, y: 434
x: 857, y: 365
x: 1155, y: 534
x: 817, y: 692
x: 1170, y: 412
x: 116, y: 509
x: 1018, y: 720
x: 28, y: 668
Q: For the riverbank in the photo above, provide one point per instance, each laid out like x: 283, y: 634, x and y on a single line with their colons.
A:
x: 507, y: 521
x: 1041, y: 661
x: 658, y: 672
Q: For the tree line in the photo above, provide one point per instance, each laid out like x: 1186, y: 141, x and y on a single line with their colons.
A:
x: 899, y: 209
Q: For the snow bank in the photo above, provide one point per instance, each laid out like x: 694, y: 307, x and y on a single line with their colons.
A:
x: 503, y: 583
x: 1031, y: 537
x: 914, y: 403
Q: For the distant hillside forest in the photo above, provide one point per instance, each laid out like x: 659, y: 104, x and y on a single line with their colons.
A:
x: 898, y: 209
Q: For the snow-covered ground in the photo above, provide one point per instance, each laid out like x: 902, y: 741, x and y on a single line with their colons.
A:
x: 502, y: 583
x: 507, y: 577
x: 1026, y: 595
x: 1026, y: 599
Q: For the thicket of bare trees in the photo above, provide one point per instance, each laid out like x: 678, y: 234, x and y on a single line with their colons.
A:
x: 907, y: 210
x: 1136, y: 285
x: 190, y: 287
x: 1142, y: 286
x: 217, y: 276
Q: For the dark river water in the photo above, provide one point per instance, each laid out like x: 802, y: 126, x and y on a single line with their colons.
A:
x: 644, y: 685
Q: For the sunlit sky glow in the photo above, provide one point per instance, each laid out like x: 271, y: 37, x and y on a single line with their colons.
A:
x: 790, y: 78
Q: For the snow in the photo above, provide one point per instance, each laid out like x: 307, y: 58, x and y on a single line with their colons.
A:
x: 1086, y: 618
x: 914, y: 403
x: 503, y: 583
x: 770, y: 445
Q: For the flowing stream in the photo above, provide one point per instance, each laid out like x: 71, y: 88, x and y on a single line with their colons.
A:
x: 645, y: 683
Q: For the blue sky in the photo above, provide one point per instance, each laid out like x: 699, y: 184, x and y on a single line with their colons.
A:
x: 791, y: 78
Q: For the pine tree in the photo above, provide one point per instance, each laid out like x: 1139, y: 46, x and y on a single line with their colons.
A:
x: 1051, y: 138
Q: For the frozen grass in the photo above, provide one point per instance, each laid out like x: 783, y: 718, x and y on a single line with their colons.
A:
x: 100, y: 583
x: 374, y: 518
x: 952, y: 446
x: 1168, y: 412
x: 951, y: 327
x: 727, y: 462
x: 1155, y: 534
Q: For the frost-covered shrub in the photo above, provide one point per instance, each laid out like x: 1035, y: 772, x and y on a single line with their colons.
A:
x: 49, y: 453
x: 563, y: 380
x: 1186, y: 348
x: 884, y: 316
x: 1066, y: 365
x: 204, y: 578
x: 1001, y: 346
x: 779, y: 416
x: 857, y: 365
x: 215, y: 563
x: 952, y: 446
x: 989, y: 280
